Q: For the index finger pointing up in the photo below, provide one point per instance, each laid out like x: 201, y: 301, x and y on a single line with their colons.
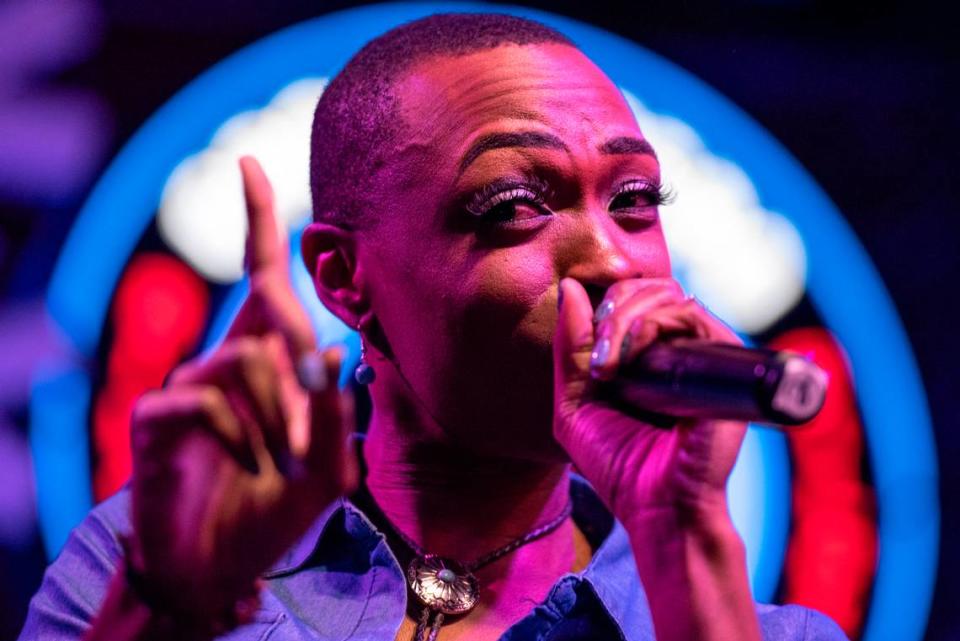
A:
x: 272, y: 304
x: 264, y: 250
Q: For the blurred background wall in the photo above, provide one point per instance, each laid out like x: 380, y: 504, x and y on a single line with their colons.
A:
x: 861, y: 94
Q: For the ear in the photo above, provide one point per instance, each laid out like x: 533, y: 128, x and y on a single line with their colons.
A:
x: 329, y: 253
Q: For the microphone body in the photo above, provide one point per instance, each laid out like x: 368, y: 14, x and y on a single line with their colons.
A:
x: 692, y: 378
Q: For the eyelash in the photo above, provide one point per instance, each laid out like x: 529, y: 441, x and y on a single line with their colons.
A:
x: 532, y: 190
x: 536, y: 191
x: 656, y: 193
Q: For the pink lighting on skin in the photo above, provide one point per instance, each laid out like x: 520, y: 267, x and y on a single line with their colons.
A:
x: 476, y: 343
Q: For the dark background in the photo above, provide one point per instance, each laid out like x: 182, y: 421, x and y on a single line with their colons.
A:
x: 862, y: 95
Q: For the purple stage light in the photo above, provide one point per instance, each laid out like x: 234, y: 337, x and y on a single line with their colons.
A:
x: 51, y: 142
x: 17, y: 491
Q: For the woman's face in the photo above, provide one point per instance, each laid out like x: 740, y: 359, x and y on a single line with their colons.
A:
x: 523, y: 165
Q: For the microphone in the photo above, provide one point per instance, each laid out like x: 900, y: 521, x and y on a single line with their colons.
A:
x: 695, y: 378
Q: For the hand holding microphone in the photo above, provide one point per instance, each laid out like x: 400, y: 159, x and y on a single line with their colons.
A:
x: 666, y: 486
x: 630, y: 459
x: 651, y: 353
x: 696, y: 378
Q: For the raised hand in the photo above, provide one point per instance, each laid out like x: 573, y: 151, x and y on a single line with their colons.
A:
x: 244, y: 447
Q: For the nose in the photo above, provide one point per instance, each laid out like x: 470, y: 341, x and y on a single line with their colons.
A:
x: 599, y: 252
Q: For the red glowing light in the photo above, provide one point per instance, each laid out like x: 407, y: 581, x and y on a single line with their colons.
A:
x: 832, y: 552
x: 159, y: 311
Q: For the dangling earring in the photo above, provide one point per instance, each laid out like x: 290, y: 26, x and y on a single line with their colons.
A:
x: 364, y: 373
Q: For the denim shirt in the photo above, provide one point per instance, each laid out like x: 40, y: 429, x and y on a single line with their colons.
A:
x: 342, y: 581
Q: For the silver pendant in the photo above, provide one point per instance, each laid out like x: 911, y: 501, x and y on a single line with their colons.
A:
x: 443, y: 585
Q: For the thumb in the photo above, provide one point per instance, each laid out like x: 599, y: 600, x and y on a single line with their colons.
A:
x: 573, y: 340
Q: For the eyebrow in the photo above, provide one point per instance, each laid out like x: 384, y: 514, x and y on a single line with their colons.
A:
x: 534, y: 139
x: 537, y: 139
x: 627, y: 145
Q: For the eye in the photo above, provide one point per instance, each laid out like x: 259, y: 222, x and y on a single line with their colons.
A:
x: 512, y: 205
x: 508, y: 202
x: 638, y: 195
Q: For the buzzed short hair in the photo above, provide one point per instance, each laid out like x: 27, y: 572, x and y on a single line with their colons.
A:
x: 357, y: 119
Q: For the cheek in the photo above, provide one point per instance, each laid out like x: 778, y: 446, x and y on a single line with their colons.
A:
x: 501, y: 319
x: 446, y: 313
x: 510, y: 296
x: 654, y: 254
x: 473, y: 339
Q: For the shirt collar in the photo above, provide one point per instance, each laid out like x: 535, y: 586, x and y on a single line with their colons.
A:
x: 297, y: 555
x: 611, y: 572
x: 591, y: 517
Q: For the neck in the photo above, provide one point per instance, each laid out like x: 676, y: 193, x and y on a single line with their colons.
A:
x: 453, y: 502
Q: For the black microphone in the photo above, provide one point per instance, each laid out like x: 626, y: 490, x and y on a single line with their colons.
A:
x: 694, y: 378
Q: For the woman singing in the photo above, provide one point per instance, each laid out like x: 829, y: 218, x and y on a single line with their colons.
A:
x: 486, y: 217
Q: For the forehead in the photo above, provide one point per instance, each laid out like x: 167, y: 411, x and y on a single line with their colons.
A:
x: 447, y: 102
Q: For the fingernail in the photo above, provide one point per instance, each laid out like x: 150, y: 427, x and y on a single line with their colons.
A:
x: 603, y: 311
x: 600, y: 353
x: 312, y: 372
